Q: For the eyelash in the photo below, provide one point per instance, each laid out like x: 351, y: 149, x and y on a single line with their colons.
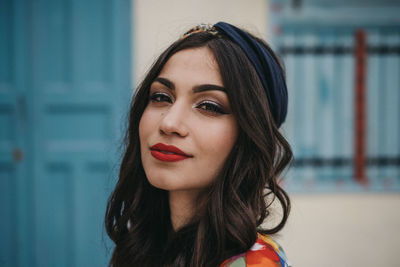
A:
x: 209, y: 106
x: 159, y: 97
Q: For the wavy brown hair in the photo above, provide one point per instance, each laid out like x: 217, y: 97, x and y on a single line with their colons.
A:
x: 232, y: 210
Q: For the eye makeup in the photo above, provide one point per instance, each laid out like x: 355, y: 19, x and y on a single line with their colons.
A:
x: 211, y: 107
x: 207, y: 98
x: 160, y: 97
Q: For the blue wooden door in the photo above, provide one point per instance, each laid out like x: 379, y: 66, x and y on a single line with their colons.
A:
x: 13, y: 142
x: 64, y: 89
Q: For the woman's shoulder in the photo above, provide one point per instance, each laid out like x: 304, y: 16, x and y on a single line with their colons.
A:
x: 265, y: 252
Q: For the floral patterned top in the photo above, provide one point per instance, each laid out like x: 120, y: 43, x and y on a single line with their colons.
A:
x: 265, y: 252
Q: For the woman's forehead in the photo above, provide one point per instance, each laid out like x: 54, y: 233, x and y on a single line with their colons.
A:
x: 196, y: 64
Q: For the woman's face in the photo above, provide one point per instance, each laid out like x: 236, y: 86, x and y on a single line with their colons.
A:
x: 187, y: 129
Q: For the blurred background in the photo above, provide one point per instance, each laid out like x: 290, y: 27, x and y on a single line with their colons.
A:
x: 68, y: 69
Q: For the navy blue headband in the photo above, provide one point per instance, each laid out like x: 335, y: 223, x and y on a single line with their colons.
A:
x: 267, y: 68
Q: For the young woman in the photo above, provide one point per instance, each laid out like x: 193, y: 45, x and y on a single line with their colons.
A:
x: 203, y: 156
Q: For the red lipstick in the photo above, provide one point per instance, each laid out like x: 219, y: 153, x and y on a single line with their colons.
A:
x: 168, y: 153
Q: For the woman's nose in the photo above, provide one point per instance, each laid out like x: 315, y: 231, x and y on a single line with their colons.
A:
x: 174, y: 121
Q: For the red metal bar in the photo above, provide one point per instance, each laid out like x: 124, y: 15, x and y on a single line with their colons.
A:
x: 360, y: 107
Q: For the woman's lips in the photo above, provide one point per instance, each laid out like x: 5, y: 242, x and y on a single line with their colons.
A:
x: 168, y: 153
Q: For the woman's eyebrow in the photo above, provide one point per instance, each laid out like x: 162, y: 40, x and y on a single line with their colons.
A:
x: 196, y: 89
x: 165, y: 82
x: 208, y: 87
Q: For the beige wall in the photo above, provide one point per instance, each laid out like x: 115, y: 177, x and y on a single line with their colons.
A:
x: 156, y: 24
x: 343, y: 230
x: 323, y: 230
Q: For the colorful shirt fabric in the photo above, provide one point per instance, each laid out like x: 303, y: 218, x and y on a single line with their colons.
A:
x: 265, y: 252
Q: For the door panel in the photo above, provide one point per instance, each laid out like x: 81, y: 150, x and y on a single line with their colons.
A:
x: 11, y: 139
x: 64, y: 87
x: 7, y: 223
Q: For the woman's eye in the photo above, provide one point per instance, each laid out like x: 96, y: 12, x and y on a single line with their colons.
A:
x: 211, y: 107
x: 160, y: 97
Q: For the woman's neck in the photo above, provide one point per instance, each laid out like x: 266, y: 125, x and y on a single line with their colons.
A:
x: 182, y: 206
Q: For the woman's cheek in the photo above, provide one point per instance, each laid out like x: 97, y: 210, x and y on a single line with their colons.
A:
x: 223, y: 138
x: 145, y: 124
